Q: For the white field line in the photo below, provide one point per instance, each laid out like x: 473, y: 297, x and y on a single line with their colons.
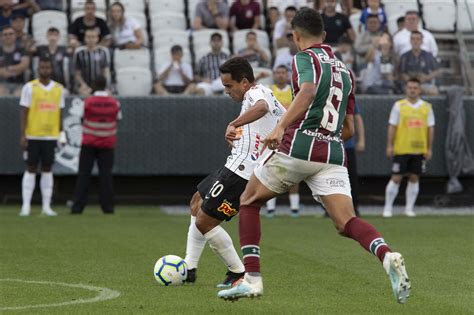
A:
x: 103, y: 294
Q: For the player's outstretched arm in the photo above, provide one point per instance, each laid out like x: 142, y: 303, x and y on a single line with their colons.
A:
x: 254, y: 113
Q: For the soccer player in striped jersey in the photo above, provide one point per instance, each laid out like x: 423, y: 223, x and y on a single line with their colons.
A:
x: 309, y: 146
x: 217, y: 196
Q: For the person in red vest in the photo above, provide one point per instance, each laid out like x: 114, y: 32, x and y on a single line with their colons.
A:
x: 99, y: 135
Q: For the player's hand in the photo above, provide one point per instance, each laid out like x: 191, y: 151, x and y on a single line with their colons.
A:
x: 230, y: 135
x: 273, y: 140
x: 360, y: 146
x: 390, y: 151
x: 23, y: 142
x: 428, y: 155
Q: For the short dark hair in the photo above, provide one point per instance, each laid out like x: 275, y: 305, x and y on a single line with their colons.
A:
x: 417, y: 33
x: 216, y: 35
x: 401, y: 20
x: 89, y: 2
x: 88, y: 29
x: 176, y: 48
x: 53, y: 30
x: 45, y: 59
x: 371, y: 16
x: 238, y: 68
x: 291, y: 8
x: 414, y: 79
x: 412, y: 12
x: 6, y: 27
x: 282, y: 67
x: 309, y: 21
x: 251, y: 33
x: 18, y: 16
x: 344, y: 40
x: 100, y: 83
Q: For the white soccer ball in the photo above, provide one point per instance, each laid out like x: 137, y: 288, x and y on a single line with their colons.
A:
x: 171, y: 270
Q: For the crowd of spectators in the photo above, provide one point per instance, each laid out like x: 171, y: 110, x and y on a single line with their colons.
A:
x: 381, y: 61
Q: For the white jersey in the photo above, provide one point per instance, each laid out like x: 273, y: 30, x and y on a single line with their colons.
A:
x: 246, y: 153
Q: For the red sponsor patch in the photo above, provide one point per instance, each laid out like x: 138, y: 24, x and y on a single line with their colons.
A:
x: 415, y: 123
x: 50, y: 107
x: 226, y: 209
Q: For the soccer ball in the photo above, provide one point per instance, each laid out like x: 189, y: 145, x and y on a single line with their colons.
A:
x: 171, y: 270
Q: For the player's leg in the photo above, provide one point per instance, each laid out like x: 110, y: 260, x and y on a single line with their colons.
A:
x: 415, y: 168
x: 196, y: 241
x: 29, y: 177
x: 86, y: 163
x: 335, y: 195
x: 105, y: 162
x: 47, y: 180
x: 294, y: 196
x: 399, y: 167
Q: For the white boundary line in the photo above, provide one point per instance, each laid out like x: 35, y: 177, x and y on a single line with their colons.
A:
x: 103, y: 294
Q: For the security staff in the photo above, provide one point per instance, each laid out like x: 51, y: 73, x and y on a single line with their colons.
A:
x: 99, y: 137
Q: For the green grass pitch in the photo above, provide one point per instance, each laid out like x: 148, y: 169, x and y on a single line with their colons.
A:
x: 307, y: 267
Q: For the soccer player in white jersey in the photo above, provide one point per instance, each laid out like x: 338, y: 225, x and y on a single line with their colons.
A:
x: 217, y: 196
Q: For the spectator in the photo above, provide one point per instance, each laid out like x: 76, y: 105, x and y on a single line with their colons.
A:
x: 126, y: 31
x: 77, y: 29
x: 373, y: 8
x: 368, y: 37
x: 420, y: 64
x: 25, y: 7
x: 90, y: 62
x: 175, y: 76
x: 211, y: 14
x: 283, y: 27
x: 379, y: 77
x: 281, y: 89
x: 273, y: 15
x: 285, y: 57
x: 6, y: 16
x: 14, y: 63
x: 51, y: 5
x: 58, y: 55
x: 336, y: 24
x: 101, y: 115
x: 347, y: 53
x: 255, y: 55
x: 343, y: 6
x: 244, y: 14
x: 208, y: 69
x: 400, y: 25
x: 23, y: 40
x: 401, y: 41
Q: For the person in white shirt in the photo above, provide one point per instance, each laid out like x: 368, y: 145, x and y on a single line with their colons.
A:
x: 126, y: 32
x: 217, y: 196
x: 174, y: 76
x: 285, y: 56
x: 401, y: 41
x: 283, y: 27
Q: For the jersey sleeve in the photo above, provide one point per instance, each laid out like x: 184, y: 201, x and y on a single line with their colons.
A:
x: 255, y: 95
x: 394, y: 119
x: 62, y: 103
x: 431, y: 118
x: 25, y: 99
x: 304, y: 68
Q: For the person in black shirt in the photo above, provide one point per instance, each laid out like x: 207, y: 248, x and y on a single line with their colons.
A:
x: 78, y: 28
x: 59, y: 56
x: 336, y: 24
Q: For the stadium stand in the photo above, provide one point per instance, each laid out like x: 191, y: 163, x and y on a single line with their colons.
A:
x: 131, y: 58
x: 239, y: 39
x: 465, y: 15
x: 168, y: 38
x: 133, y: 6
x: 166, y: 6
x: 167, y: 21
x: 163, y: 55
x: 433, y: 9
x: 43, y: 20
x: 202, y: 37
x: 132, y: 81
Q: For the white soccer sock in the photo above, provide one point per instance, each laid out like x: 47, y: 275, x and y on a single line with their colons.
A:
x: 391, y: 192
x: 27, y: 188
x: 271, y: 204
x: 411, y: 193
x: 294, y: 201
x: 221, y: 243
x: 46, y: 185
x: 195, y: 245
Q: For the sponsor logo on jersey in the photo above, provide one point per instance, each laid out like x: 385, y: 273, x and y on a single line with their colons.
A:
x: 256, y: 152
x: 226, y: 208
x: 415, y: 123
x: 335, y: 183
x: 48, y: 107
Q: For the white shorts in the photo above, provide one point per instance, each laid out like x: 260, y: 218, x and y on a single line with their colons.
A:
x: 280, y: 172
x: 211, y: 88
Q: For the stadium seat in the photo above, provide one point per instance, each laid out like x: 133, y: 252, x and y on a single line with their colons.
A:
x: 131, y: 58
x: 163, y: 55
x: 283, y: 4
x: 192, y: 9
x: 465, y: 15
x: 78, y: 5
x: 43, y: 20
x: 399, y: 7
x: 168, y: 21
x: 434, y: 9
x: 239, y: 39
x: 355, y: 22
x: 268, y: 80
x: 168, y: 38
x: 133, y: 81
x: 169, y: 6
x: 202, y: 38
x: 78, y: 14
x: 198, y: 54
x: 132, y: 6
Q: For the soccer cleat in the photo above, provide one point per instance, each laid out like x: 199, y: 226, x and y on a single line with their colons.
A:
x: 242, y: 289
x: 410, y: 213
x: 191, y: 278
x: 394, y: 265
x: 231, y: 278
x: 295, y: 213
x: 387, y: 212
x: 49, y: 212
x: 270, y: 214
x: 24, y: 212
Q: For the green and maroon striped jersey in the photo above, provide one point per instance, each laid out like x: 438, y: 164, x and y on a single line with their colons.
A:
x: 317, y: 135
